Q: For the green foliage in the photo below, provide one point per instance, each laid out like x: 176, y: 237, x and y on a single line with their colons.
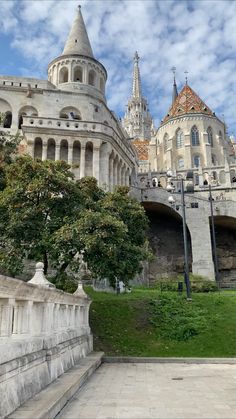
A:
x: 122, y: 325
x: 47, y: 216
x: 198, y: 284
x: 8, y: 149
x: 176, y: 318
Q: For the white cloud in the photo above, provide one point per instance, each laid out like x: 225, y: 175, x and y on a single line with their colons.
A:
x: 198, y: 36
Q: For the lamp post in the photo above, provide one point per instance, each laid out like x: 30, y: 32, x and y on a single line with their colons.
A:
x: 172, y: 201
x: 213, y: 238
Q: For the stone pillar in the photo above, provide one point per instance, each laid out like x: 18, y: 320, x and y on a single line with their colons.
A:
x: 199, y: 227
x: 111, y: 163
x: 6, y: 317
x: 82, y: 161
x: 44, y: 153
x: 187, y: 157
x: 96, y: 155
x: 57, y: 152
x: 30, y: 148
x: 70, y: 154
x: 208, y: 161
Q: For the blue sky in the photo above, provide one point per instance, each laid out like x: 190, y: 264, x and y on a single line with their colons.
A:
x: 197, y: 36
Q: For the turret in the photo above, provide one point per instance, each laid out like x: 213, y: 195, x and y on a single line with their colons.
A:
x: 77, y: 69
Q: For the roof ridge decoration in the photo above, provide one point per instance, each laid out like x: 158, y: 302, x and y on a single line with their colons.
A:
x: 78, y: 41
x: 187, y: 102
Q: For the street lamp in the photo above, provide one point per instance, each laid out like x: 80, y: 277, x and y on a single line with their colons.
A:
x: 171, y: 200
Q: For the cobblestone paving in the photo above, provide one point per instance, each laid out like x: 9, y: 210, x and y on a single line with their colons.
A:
x: 168, y: 391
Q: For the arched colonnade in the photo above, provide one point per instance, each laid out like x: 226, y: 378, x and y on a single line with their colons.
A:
x: 88, y: 158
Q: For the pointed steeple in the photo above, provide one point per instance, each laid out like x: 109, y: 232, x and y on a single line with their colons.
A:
x: 78, y: 42
x: 175, y: 91
x: 137, y: 89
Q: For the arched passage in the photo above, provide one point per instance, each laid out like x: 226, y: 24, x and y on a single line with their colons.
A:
x: 166, y: 241
x: 225, y: 231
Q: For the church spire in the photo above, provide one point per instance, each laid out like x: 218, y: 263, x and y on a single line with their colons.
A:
x: 78, y: 42
x: 175, y: 91
x: 137, y: 89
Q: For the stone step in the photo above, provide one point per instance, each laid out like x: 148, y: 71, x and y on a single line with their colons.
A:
x: 50, y: 401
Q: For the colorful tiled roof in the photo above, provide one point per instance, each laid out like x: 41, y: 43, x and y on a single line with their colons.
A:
x: 141, y: 147
x: 187, y: 102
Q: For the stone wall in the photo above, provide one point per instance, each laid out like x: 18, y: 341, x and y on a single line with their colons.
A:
x: 43, y: 333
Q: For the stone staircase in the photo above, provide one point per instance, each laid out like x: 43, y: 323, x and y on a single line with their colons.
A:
x: 50, y: 401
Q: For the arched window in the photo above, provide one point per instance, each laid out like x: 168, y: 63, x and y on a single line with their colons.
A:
x: 7, y: 120
x: 26, y: 111
x: 196, y: 179
x: 195, y: 136
x: 70, y: 113
x: 220, y: 136
x: 92, y: 77
x: 63, y: 75
x: 64, y: 150
x: 165, y: 142
x: 196, y: 161
x: 180, y: 163
x: 78, y: 74
x: 179, y: 138
x: 213, y: 159
x: 210, y: 136
x: 38, y: 148
x: 51, y: 149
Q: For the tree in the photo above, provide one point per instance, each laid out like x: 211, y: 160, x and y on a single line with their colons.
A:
x: 8, y: 149
x: 38, y: 199
x: 46, y: 215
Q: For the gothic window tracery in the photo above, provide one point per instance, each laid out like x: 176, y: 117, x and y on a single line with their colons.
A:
x: 179, y: 138
x: 210, y: 136
x: 165, y: 142
x: 181, y: 163
x: 196, y: 160
x: 195, y: 136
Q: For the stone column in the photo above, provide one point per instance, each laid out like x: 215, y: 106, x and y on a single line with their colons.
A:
x: 111, y: 163
x: 70, y: 154
x: 6, y: 317
x: 30, y: 148
x: 82, y: 161
x: 57, y: 152
x: 199, y: 227
x: 44, y: 152
x: 96, y: 155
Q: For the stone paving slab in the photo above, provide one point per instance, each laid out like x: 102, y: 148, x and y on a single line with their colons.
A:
x: 157, y: 391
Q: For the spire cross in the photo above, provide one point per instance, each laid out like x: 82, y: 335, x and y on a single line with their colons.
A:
x: 186, y: 77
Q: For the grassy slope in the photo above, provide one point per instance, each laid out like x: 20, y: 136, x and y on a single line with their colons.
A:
x: 121, y: 326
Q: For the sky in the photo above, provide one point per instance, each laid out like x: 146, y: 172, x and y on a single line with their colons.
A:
x: 191, y: 35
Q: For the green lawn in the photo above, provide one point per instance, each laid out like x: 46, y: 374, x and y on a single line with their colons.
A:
x: 123, y: 324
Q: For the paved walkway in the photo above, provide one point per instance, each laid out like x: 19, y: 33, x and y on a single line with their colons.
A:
x: 143, y: 391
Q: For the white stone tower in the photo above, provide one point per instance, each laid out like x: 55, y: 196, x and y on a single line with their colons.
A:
x: 137, y: 120
x: 76, y: 68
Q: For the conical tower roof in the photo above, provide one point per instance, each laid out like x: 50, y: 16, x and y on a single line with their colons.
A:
x: 78, y: 42
x: 187, y: 102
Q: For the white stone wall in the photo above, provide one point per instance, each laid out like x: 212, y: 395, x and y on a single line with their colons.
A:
x: 164, y: 153
x: 74, y: 126
x: 43, y: 332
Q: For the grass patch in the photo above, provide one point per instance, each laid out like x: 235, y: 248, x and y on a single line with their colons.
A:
x: 150, y: 323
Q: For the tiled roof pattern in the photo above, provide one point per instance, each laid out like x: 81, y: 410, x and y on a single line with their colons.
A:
x: 141, y: 147
x: 187, y: 102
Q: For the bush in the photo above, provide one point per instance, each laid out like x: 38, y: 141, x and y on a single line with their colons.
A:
x: 177, y: 319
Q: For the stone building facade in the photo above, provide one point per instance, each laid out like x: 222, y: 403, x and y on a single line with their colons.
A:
x: 66, y: 117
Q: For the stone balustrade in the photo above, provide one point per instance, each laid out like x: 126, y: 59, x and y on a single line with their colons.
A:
x: 43, y: 332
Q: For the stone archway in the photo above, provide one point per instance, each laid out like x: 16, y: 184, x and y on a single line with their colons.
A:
x: 166, y: 241
x: 225, y: 230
